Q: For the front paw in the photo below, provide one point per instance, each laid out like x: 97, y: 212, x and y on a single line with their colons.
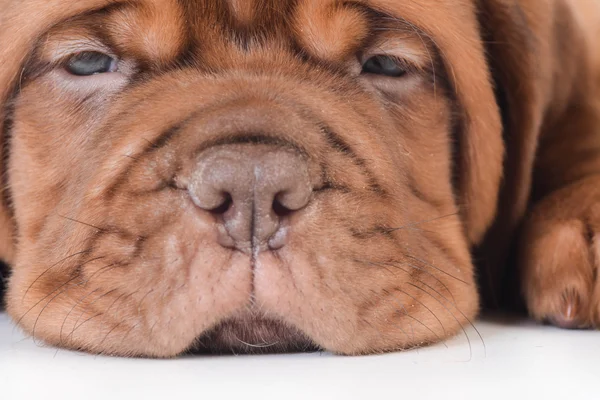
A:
x: 560, y: 257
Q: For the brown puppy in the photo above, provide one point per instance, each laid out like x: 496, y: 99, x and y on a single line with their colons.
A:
x: 240, y: 174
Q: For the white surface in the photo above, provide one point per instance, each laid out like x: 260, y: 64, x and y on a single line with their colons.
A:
x: 521, y: 361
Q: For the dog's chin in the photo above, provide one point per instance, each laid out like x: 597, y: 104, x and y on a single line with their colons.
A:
x: 251, y: 334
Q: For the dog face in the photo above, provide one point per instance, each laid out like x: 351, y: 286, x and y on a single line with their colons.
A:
x: 241, y: 175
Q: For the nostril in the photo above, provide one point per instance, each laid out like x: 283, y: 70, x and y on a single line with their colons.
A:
x: 252, y: 192
x: 224, y: 206
x: 280, y: 209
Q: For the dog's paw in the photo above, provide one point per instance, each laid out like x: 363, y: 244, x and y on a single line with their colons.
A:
x: 560, y: 259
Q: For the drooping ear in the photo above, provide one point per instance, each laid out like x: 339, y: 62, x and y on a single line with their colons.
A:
x: 519, y: 61
x: 510, y: 45
x: 533, y: 51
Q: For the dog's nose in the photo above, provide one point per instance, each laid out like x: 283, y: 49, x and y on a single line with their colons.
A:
x: 251, y: 189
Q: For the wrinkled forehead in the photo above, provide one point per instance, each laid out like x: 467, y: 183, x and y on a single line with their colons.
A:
x: 158, y: 30
x: 162, y: 28
x: 324, y: 25
x: 248, y: 12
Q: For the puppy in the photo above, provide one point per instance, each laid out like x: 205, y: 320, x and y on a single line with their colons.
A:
x: 281, y: 175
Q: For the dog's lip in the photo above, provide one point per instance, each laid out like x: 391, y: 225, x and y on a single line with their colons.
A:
x: 253, y: 333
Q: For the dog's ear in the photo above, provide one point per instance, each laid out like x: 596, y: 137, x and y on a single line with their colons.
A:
x: 535, y: 49
x: 531, y: 54
x: 520, y: 64
x: 511, y: 47
x: 535, y: 52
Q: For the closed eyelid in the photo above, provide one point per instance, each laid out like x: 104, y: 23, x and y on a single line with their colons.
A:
x: 56, y: 50
x: 77, y: 33
x: 408, y: 48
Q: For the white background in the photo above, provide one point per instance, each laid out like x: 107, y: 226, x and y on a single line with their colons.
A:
x: 520, y: 361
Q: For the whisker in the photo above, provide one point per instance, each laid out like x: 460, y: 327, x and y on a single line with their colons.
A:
x: 403, y: 308
x: 81, y: 285
x: 257, y: 346
x: 50, y: 268
x: 65, y: 286
x: 364, y: 321
x: 427, y: 308
x: 398, y: 264
x: 414, y: 224
x: 463, y: 315
x: 44, y: 298
x: 101, y: 271
x: 122, y: 296
x: 82, y: 223
x: 60, y: 336
x: 406, y: 313
x: 108, y: 334
x: 75, y: 326
x: 152, y: 328
x: 131, y: 157
x: 95, y: 275
x: 437, y: 269
x: 142, y: 301
x: 83, y: 323
x: 438, y: 280
x: 456, y: 319
x: 127, y: 333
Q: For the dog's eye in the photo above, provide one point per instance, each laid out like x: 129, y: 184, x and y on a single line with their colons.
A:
x: 91, y: 63
x: 384, y: 65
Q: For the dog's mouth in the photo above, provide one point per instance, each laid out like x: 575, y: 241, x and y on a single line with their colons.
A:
x: 253, y: 334
x: 253, y: 330
x: 3, y: 283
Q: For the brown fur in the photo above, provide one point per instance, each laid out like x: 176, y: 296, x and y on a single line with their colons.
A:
x: 497, y: 123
